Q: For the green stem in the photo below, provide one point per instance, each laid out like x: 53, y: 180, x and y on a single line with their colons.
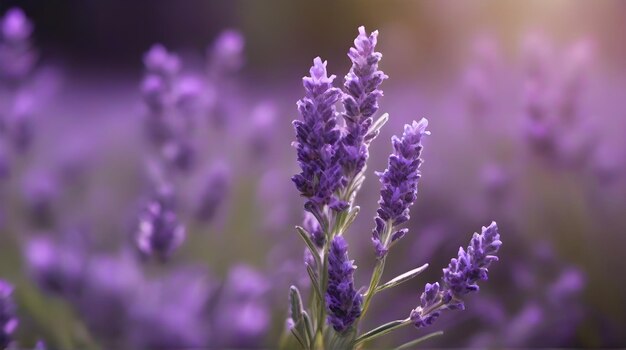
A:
x: 375, y: 333
x: 378, y: 272
x: 412, y: 344
x: 374, y: 281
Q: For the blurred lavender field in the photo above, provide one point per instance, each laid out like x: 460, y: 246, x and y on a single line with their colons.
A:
x: 146, y: 157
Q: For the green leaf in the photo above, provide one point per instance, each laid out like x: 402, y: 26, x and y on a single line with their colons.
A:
x: 314, y: 282
x: 402, y: 278
x: 382, y: 330
x: 413, y: 343
x: 306, y: 237
x: 299, y: 338
x: 308, y: 327
x: 300, y: 330
x: 296, y: 304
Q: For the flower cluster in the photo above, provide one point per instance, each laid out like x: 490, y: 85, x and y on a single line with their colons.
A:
x: 399, y: 186
x: 317, y: 142
x: 17, y: 62
x: 159, y: 232
x: 360, y: 101
x: 342, y: 300
x: 160, y: 89
x: 459, y: 278
x: 332, y: 159
x: 17, y: 57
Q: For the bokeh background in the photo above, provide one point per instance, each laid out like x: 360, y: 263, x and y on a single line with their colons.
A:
x: 526, y: 107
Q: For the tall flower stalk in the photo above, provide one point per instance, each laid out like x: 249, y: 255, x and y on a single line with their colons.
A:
x: 332, y: 157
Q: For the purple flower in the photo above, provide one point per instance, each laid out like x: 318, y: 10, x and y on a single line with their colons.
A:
x: 17, y: 58
x: 261, y: 133
x: 8, y: 319
x: 111, y: 286
x: 399, y: 186
x: 15, y: 26
x: 227, y: 53
x: 343, y: 302
x: 360, y: 101
x: 20, y: 127
x: 56, y: 268
x: 427, y: 312
x: 41, y: 192
x: 154, y: 92
x: 243, y: 314
x: 317, y: 142
x: 179, y: 153
x: 459, y: 278
x: 157, y: 88
x: 168, y: 313
x: 159, y: 231
x: 161, y: 62
x: 215, y: 192
x: 462, y: 274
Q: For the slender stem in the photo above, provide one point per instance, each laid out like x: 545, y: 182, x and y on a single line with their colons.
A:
x: 367, y: 337
x: 374, y: 281
x: 377, y: 274
x: 412, y: 344
x: 321, y: 310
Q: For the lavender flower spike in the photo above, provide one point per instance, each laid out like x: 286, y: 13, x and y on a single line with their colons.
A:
x: 459, y: 278
x: 360, y: 101
x: 342, y: 300
x: 8, y: 321
x: 399, y: 186
x: 159, y: 233
x: 462, y: 274
x: 317, y: 142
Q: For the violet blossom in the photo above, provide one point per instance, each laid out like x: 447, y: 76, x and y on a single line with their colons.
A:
x: 360, y: 101
x: 399, y: 189
x: 459, y: 278
x: 317, y: 142
x: 342, y: 300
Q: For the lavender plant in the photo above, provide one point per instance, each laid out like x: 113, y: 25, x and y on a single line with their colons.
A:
x: 332, y: 158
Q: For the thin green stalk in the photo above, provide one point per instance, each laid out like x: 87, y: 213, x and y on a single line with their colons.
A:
x: 377, y: 274
x: 376, y: 332
x: 374, y: 281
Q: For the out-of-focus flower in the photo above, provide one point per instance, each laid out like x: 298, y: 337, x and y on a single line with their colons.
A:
x: 17, y: 57
x: 111, y: 285
x: 399, y: 186
x: 342, y: 300
x: 8, y: 318
x: 40, y: 194
x: 216, y: 188
x: 261, y: 130
x: 496, y: 182
x: 243, y: 316
x: 161, y: 62
x: 226, y: 54
x: 159, y: 232
x: 179, y: 153
x: 168, y: 312
x: 56, y: 268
